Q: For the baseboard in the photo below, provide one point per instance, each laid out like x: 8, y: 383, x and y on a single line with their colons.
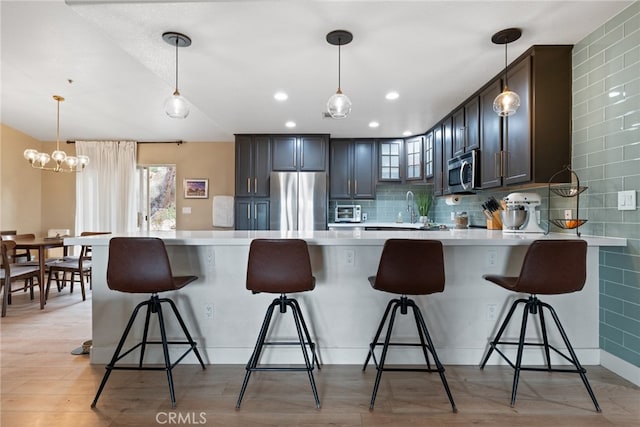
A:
x: 620, y: 367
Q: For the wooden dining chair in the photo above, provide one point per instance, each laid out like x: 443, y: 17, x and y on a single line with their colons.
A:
x: 73, y: 269
x: 10, y: 271
x: 19, y: 256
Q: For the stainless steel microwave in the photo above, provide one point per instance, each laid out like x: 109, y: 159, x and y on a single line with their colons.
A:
x: 464, y: 173
x: 348, y: 213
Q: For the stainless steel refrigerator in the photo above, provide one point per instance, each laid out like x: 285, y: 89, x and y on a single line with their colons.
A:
x: 298, y: 201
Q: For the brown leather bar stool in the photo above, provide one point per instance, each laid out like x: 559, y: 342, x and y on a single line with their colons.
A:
x: 140, y: 265
x: 541, y: 275
x: 281, y: 266
x: 408, y: 267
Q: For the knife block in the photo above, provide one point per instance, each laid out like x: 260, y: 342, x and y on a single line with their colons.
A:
x: 495, y: 223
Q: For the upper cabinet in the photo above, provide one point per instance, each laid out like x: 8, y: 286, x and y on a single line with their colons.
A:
x: 428, y: 155
x: 438, y: 165
x: 466, y: 129
x: 253, y: 165
x: 414, y: 158
x: 307, y: 153
x: 352, y: 165
x: 491, y: 137
x: 390, y: 159
x: 535, y: 142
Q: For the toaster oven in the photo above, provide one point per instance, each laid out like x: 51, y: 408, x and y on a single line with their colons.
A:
x: 348, y: 213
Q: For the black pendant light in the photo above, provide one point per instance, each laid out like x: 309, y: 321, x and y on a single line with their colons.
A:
x: 507, y: 102
x: 339, y: 105
x: 176, y: 106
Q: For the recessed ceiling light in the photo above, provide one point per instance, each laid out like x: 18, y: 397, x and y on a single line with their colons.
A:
x: 392, y: 95
x: 290, y: 124
x: 406, y: 133
x: 374, y: 124
x: 280, y: 96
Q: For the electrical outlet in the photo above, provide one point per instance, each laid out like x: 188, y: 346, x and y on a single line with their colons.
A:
x: 208, y: 311
x: 627, y: 200
x: 567, y: 214
x: 492, y: 258
x: 492, y: 312
x: 365, y: 216
x: 349, y: 257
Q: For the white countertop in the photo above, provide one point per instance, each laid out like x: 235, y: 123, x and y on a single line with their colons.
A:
x: 416, y: 225
x: 347, y: 237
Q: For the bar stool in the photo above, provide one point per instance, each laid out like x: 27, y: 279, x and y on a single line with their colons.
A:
x: 540, y: 275
x: 281, y: 266
x: 408, y: 267
x: 141, y: 265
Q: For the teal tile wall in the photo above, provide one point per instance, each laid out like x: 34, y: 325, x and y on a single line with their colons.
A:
x: 606, y: 155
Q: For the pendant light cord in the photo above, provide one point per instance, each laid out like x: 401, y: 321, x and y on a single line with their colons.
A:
x: 58, y: 127
x: 339, y: 65
x: 177, y: 41
x: 505, y: 63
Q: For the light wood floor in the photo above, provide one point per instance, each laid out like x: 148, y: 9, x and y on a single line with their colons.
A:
x: 43, y: 384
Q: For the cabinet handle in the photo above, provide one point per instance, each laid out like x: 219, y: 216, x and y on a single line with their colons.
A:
x: 302, y: 159
x: 255, y: 185
x: 255, y: 211
x: 497, y: 167
x: 248, y: 211
x: 355, y: 186
x: 348, y: 186
x: 248, y: 185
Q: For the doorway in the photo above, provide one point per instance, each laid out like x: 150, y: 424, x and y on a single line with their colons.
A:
x: 156, y: 194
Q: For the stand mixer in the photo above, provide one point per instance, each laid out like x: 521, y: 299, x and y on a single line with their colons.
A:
x: 520, y: 213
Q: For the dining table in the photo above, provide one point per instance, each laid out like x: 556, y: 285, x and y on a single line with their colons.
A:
x: 41, y: 244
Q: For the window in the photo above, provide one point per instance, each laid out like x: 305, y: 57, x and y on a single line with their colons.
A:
x: 156, y: 193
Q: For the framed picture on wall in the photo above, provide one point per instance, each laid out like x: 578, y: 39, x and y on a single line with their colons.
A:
x: 196, y: 188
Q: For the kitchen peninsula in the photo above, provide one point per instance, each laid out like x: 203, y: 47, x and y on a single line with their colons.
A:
x: 343, y: 310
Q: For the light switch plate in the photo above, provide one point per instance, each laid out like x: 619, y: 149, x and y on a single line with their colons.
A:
x: 627, y: 200
x: 186, y: 210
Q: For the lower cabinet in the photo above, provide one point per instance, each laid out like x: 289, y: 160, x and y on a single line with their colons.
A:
x: 252, y: 214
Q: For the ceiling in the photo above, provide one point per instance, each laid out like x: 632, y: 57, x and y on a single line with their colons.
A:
x: 108, y: 59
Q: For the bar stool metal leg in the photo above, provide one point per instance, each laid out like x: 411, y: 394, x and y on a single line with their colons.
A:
x: 304, y: 339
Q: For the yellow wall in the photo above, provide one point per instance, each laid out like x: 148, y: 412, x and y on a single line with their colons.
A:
x: 34, y: 201
x: 212, y: 160
x: 20, y: 185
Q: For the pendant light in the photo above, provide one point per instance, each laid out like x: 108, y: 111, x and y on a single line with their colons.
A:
x: 63, y: 163
x: 176, y: 106
x: 507, y: 102
x: 339, y: 105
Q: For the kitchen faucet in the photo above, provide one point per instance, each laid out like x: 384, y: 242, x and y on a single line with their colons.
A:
x: 412, y: 212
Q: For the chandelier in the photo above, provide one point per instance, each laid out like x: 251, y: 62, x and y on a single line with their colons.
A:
x: 63, y: 163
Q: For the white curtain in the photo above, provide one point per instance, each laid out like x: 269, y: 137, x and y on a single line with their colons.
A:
x: 105, y: 191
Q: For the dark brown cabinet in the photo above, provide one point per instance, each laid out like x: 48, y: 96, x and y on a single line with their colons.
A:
x: 438, y: 165
x: 390, y: 159
x: 465, y: 131
x: 457, y: 132
x: 491, y: 137
x: 428, y: 155
x: 253, y: 165
x: 535, y: 142
x: 413, y: 159
x: 447, y: 151
x: 252, y: 214
x: 306, y: 153
x: 352, y: 169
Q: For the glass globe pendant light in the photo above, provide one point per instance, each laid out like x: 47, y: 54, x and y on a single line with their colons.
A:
x: 507, y: 102
x: 176, y: 106
x: 339, y: 104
